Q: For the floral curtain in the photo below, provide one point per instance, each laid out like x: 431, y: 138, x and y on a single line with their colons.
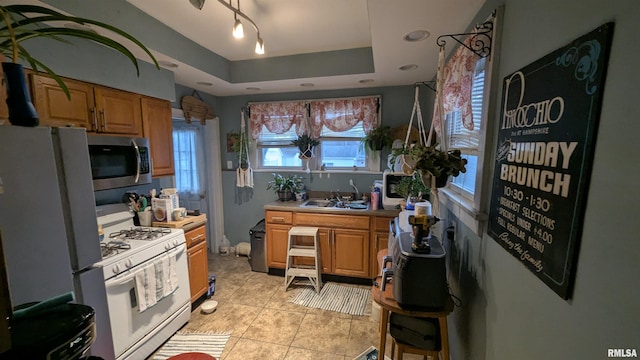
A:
x: 458, y: 80
x: 278, y: 117
x: 342, y: 115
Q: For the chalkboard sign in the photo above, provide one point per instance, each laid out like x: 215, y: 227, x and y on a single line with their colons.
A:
x: 546, y: 136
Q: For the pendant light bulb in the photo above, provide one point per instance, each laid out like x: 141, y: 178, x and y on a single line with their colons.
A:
x: 238, y: 31
x: 259, y: 46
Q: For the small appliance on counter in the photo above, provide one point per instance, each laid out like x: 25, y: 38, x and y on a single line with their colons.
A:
x: 419, y: 280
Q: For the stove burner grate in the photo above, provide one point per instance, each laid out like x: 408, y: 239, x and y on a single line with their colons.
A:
x: 140, y: 233
x: 113, y: 247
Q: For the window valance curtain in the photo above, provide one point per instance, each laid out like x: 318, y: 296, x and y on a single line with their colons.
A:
x: 278, y: 117
x: 336, y: 114
x: 343, y: 114
x: 458, y: 81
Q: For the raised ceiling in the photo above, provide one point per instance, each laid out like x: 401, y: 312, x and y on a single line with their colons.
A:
x: 331, y: 44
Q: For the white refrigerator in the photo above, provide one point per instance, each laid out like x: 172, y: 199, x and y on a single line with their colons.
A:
x: 48, y: 223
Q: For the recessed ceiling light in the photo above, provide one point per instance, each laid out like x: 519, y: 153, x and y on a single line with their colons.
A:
x: 307, y: 84
x: 365, y: 81
x: 417, y: 35
x: 408, y: 67
x: 204, y: 83
x: 167, y: 64
x: 253, y: 88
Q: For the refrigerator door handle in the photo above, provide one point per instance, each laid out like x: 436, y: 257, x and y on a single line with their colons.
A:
x: 135, y: 146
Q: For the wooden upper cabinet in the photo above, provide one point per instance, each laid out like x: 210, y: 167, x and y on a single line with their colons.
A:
x: 157, y: 127
x: 56, y: 110
x: 118, y: 112
x: 96, y: 108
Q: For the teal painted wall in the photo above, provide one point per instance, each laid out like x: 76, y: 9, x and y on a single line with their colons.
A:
x: 244, y: 207
x: 507, y: 312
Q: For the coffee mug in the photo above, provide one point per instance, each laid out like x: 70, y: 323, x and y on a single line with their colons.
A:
x: 179, y: 214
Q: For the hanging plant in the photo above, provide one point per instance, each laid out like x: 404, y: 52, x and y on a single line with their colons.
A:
x: 430, y: 161
x: 305, y: 144
x: 379, y: 138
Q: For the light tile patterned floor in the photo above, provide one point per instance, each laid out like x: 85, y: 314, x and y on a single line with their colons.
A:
x: 254, y: 308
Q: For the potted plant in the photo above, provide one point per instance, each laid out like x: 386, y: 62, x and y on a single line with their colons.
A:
x: 379, y: 138
x: 430, y: 161
x: 241, y: 145
x: 412, y: 187
x: 284, y: 186
x: 305, y: 144
x: 19, y: 23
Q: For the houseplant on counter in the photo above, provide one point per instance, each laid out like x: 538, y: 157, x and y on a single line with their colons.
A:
x: 284, y: 186
x: 412, y: 189
x: 429, y: 161
x: 19, y: 23
x: 378, y: 138
x: 305, y: 144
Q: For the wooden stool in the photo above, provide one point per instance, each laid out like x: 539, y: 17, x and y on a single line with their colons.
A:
x: 192, y: 356
x: 296, y: 250
x: 404, y: 348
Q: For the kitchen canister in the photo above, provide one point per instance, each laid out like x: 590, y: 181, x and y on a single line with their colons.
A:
x: 422, y: 208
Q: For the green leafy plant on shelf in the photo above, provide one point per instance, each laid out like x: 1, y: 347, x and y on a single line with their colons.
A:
x: 285, y: 185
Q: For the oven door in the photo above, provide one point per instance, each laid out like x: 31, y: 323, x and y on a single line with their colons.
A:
x: 128, y: 324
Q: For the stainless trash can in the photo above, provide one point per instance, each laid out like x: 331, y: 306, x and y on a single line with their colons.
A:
x: 258, y: 257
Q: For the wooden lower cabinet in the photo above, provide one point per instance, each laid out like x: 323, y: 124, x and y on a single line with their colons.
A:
x: 198, y: 262
x: 349, y: 244
x: 351, y: 252
x: 380, y: 240
x: 277, y: 237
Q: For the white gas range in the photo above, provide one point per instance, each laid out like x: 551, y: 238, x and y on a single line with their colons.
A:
x: 141, y: 321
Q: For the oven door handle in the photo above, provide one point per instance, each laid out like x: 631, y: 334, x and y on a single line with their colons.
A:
x: 127, y: 276
x: 121, y: 279
x: 138, y: 161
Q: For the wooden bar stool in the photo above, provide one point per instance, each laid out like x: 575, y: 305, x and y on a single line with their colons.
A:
x: 294, y: 249
x: 404, y: 348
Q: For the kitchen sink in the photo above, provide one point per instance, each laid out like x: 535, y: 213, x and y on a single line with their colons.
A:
x: 318, y: 203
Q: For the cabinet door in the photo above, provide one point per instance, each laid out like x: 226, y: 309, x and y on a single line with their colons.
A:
x: 198, y: 270
x: 157, y: 127
x: 351, y: 252
x: 54, y: 109
x: 119, y: 112
x: 277, y: 238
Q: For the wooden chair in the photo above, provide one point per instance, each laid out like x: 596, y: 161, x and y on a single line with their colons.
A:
x: 404, y: 348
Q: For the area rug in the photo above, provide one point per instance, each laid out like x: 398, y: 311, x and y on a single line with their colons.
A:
x: 334, y: 297
x: 182, y: 342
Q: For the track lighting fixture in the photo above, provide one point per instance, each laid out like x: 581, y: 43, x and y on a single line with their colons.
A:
x: 238, y: 30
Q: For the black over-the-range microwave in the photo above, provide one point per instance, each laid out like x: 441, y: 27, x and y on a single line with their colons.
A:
x: 118, y: 161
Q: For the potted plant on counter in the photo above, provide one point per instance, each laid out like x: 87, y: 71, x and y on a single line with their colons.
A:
x: 305, y: 144
x: 379, y: 138
x: 284, y: 186
x: 19, y: 23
